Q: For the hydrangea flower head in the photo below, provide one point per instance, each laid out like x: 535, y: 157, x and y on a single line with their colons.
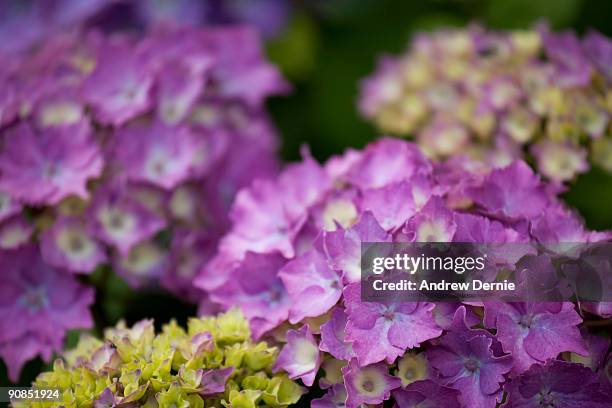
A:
x: 497, y: 95
x: 119, y: 150
x: 68, y: 245
x: 177, y: 367
x: 291, y: 260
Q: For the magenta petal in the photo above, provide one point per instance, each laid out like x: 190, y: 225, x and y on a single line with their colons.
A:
x: 213, y: 381
x: 333, y: 336
x: 313, y: 287
x: 300, y: 357
x: 371, y: 384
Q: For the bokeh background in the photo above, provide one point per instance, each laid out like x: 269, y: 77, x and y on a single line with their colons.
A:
x: 324, y: 47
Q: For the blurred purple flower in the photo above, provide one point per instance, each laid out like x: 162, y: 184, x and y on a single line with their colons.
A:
x: 120, y: 221
x: 256, y: 288
x: 15, y: 232
x: 599, y: 49
x: 115, y: 148
x: 70, y: 246
x: 557, y: 384
x: 119, y: 87
x: 565, y: 51
x: 45, y: 167
x: 38, y: 304
x: 160, y: 155
x: 143, y: 265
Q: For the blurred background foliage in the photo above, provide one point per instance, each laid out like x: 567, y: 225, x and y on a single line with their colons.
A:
x: 324, y: 50
x: 330, y: 45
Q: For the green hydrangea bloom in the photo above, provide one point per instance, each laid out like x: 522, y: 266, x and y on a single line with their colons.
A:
x: 213, y: 363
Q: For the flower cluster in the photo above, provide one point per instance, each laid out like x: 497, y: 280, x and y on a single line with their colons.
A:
x: 212, y: 363
x: 127, y: 151
x: 291, y: 261
x: 498, y: 96
x: 27, y: 24
x: 38, y: 304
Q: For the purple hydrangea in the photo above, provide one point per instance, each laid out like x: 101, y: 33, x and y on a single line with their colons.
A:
x: 160, y: 155
x: 117, y: 218
x: 68, y: 245
x: 256, y: 288
x: 426, y: 393
x: 371, y: 384
x: 38, y: 305
x: 535, y: 332
x: 499, y: 95
x: 333, y: 336
x: 385, y: 331
x: 15, y: 232
x: 30, y: 23
x: 334, y: 398
x: 468, y: 364
x: 291, y: 259
x: 47, y: 166
x: 120, y: 150
x: 118, y: 89
x: 269, y: 16
x: 300, y: 357
x: 558, y: 384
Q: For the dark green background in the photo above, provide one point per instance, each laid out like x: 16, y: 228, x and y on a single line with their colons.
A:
x: 327, y: 48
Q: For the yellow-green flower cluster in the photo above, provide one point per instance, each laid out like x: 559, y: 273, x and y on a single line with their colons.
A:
x: 212, y: 363
x: 498, y: 96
